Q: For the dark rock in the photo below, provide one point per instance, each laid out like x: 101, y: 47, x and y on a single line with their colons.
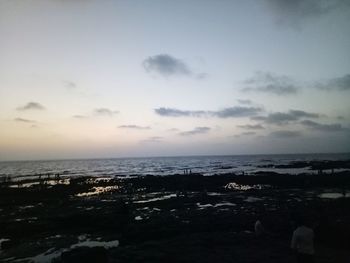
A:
x: 85, y: 254
x: 7, y: 244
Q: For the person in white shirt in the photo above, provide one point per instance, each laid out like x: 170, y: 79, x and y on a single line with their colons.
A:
x: 303, y: 242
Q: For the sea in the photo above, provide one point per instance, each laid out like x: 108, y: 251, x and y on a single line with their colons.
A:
x: 120, y: 167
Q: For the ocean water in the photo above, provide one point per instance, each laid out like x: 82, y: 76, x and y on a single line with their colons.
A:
x: 207, y: 165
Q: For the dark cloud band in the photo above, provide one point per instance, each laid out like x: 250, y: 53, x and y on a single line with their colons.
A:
x: 335, y: 127
x: 281, y: 118
x: 232, y: 112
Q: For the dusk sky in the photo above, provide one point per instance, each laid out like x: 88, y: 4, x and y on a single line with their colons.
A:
x: 88, y: 78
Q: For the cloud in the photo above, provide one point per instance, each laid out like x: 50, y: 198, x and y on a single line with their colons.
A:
x: 232, y: 112
x: 24, y: 120
x: 285, y: 134
x: 166, y: 65
x: 79, y: 117
x: 335, y: 127
x: 69, y: 84
x: 304, y: 114
x: 201, y: 76
x: 296, y: 12
x: 251, y: 127
x: 248, y: 133
x: 237, y: 111
x: 281, y: 118
x: 267, y: 82
x: 31, y: 106
x: 104, y: 112
x: 195, y: 131
x: 339, y: 84
x: 171, y: 112
x: 246, y: 102
x: 135, y: 127
x: 153, y: 139
x: 172, y: 130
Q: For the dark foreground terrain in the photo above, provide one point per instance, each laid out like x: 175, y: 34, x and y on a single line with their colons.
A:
x: 178, y: 218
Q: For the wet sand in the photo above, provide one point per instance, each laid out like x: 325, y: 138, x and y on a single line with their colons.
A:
x: 178, y: 218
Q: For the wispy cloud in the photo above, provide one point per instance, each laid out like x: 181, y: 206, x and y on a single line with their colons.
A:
x: 248, y: 133
x: 134, y: 127
x: 69, y: 84
x: 195, y: 131
x: 31, y: 106
x: 339, y: 84
x: 334, y: 127
x: 267, y: 82
x: 245, y: 102
x: 232, y: 112
x: 80, y: 116
x: 172, y: 130
x: 296, y: 12
x: 251, y: 127
x: 201, y: 75
x: 104, y: 112
x: 24, y: 120
x: 153, y: 139
x: 285, y: 134
x: 281, y: 118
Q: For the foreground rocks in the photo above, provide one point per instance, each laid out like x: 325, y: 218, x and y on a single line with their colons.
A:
x: 179, y: 218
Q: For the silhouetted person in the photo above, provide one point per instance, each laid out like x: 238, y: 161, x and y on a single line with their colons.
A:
x: 259, y: 229
x: 57, y: 178
x: 303, y: 242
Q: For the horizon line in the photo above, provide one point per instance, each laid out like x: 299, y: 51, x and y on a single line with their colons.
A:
x: 170, y: 156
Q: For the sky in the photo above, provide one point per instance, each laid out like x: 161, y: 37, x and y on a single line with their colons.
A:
x: 97, y: 79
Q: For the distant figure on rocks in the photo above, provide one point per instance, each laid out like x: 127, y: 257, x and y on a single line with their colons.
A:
x: 187, y: 171
x: 303, y: 242
x: 57, y: 178
x: 259, y: 229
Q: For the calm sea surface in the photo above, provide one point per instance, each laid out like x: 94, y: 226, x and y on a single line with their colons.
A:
x: 207, y: 165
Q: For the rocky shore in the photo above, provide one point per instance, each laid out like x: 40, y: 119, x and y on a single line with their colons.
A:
x: 177, y: 218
